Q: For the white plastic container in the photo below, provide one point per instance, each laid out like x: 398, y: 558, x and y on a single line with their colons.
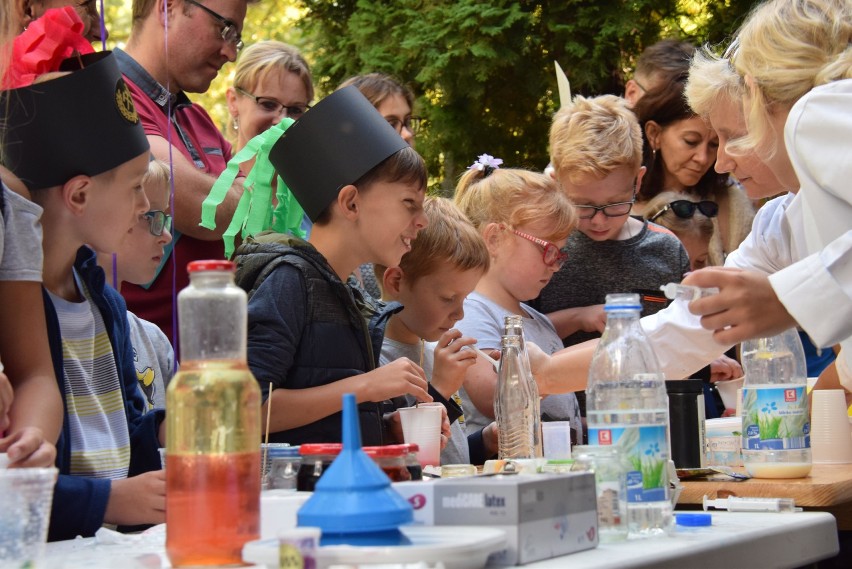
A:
x: 724, y: 441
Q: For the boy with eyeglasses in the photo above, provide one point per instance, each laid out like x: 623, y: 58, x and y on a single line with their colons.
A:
x: 136, y: 262
x: 202, y: 35
x: 596, y: 151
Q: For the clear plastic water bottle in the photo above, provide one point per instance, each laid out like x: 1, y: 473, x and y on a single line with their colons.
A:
x: 776, y: 418
x: 514, y: 326
x: 627, y: 407
x: 213, y: 426
x: 513, y: 404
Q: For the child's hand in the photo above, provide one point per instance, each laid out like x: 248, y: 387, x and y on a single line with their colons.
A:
x: 400, y: 377
x: 5, y: 401
x: 137, y: 500
x: 451, y: 362
x: 724, y: 368
x: 592, y: 318
x: 28, y: 449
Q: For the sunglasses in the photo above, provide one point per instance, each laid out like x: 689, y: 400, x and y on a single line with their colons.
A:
x: 270, y: 105
x: 685, y: 209
x: 551, y: 255
x: 158, y: 221
x: 229, y: 33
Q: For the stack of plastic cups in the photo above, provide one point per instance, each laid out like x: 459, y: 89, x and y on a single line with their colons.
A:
x: 831, y: 440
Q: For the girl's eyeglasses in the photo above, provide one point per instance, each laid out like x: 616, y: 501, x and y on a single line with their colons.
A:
x: 685, y: 209
x: 270, y: 105
x: 158, y: 221
x: 551, y: 255
x: 413, y: 124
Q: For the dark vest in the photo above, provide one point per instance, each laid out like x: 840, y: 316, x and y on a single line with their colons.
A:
x: 342, y: 336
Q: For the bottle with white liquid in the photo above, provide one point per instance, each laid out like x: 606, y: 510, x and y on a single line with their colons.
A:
x: 627, y: 407
x: 776, y: 418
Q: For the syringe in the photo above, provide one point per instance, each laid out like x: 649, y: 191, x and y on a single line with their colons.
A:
x: 736, y: 504
x: 686, y: 292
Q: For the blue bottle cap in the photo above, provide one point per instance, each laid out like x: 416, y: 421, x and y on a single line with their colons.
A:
x: 354, y: 502
x: 694, y: 520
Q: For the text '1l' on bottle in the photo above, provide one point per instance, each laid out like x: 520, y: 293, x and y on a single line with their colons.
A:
x: 213, y: 426
x: 627, y: 406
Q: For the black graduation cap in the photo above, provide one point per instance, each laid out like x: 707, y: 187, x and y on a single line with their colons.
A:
x: 339, y: 140
x: 83, y: 122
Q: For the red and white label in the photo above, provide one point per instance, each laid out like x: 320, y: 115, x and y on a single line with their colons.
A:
x: 604, y: 437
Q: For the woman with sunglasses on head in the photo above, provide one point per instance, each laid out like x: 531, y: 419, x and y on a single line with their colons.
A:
x: 395, y: 102
x: 679, y: 152
x: 525, y: 220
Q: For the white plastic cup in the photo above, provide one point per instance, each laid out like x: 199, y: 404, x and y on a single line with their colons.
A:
x: 557, y: 439
x: 728, y: 392
x: 422, y: 425
x: 25, y: 498
x: 831, y: 442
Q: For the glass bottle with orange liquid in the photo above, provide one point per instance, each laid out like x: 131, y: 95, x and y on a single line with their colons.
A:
x: 213, y: 426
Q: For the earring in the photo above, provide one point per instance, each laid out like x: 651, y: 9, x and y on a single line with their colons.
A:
x: 236, y: 123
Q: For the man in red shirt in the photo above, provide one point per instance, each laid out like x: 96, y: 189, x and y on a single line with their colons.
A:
x: 202, y: 36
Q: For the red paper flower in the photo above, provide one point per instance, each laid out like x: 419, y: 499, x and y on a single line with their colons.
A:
x: 46, y: 42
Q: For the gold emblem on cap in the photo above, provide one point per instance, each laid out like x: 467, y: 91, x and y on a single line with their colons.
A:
x: 124, y: 102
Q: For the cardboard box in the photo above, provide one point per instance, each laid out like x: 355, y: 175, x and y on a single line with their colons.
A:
x: 544, y: 515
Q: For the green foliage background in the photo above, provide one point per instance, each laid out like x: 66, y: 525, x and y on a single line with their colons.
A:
x: 483, y: 71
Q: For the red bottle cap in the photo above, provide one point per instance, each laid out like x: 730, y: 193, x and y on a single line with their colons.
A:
x: 211, y: 265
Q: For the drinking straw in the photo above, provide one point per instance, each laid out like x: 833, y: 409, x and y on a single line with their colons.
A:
x: 266, y: 435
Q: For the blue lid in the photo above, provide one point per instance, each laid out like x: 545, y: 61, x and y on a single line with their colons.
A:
x: 693, y: 520
x: 354, y: 496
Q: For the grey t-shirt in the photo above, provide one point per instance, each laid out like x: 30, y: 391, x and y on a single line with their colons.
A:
x: 483, y: 320
x: 640, y: 264
x: 456, y: 451
x: 153, y: 358
x: 21, y: 255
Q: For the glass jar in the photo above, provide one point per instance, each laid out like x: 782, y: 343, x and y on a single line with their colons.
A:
x: 284, y: 469
x: 411, y: 462
x: 315, y: 459
x: 610, y: 485
x: 391, y: 459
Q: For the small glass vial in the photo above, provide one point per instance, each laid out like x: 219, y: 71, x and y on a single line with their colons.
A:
x: 611, y: 487
x: 284, y: 469
x: 315, y: 459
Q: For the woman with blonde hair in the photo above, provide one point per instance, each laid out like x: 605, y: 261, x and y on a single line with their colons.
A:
x: 795, y: 57
x: 272, y: 81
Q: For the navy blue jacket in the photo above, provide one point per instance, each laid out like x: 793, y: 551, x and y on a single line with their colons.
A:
x: 79, y: 503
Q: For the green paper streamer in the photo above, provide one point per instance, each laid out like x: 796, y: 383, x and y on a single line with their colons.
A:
x: 254, y: 212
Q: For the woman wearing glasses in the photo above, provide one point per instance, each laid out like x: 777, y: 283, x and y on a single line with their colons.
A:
x: 137, y: 262
x: 272, y: 81
x: 680, y: 153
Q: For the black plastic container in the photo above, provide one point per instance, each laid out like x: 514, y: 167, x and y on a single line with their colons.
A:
x: 686, y: 421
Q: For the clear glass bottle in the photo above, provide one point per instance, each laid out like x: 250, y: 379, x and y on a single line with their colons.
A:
x: 610, y: 485
x: 513, y: 404
x: 514, y: 326
x: 213, y: 426
x: 627, y: 407
x: 775, y: 414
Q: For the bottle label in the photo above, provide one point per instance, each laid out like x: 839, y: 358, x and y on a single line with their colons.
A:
x: 776, y: 418
x: 646, y: 451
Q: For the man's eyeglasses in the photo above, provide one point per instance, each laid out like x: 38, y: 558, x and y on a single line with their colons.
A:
x: 685, y: 209
x: 230, y: 33
x: 413, y: 124
x: 158, y: 221
x: 270, y: 105
x: 551, y: 255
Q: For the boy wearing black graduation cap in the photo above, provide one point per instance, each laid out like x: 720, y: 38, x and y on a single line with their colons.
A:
x: 76, y: 142
x: 363, y: 188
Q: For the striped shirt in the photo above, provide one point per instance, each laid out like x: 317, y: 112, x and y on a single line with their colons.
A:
x: 100, y: 441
